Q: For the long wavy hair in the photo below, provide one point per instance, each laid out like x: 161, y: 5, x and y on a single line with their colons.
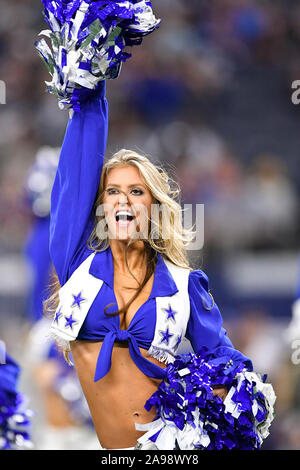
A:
x: 166, y: 236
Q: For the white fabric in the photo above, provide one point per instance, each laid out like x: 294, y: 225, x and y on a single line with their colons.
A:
x: 177, y: 323
x: 81, y: 282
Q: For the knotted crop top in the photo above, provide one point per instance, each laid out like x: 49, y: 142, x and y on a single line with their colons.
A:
x: 72, y: 220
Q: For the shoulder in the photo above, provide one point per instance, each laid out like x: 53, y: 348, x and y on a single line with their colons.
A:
x: 81, y: 256
x: 175, y: 270
x: 195, y: 279
x: 201, y: 299
x: 199, y: 289
x: 198, y: 278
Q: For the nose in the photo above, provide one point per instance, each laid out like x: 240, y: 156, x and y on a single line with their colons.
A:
x: 123, y: 197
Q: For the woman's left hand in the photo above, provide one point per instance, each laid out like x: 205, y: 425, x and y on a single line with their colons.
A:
x: 220, y: 391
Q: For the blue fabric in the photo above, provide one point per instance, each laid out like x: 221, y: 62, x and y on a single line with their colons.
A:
x: 204, y: 326
x: 36, y: 252
x: 9, y: 376
x: 98, y: 325
x: 73, y: 196
x: 76, y: 182
x: 297, y: 290
x: 208, y: 322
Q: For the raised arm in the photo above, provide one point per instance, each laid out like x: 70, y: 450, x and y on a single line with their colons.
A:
x: 77, y: 180
x: 84, y: 45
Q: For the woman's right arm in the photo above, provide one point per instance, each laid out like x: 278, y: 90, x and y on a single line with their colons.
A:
x: 77, y: 180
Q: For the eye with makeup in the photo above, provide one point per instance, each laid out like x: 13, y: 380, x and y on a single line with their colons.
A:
x: 134, y: 191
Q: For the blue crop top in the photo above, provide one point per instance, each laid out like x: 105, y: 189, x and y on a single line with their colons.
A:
x: 72, y: 219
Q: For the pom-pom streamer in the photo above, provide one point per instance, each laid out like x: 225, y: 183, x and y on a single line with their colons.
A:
x: 190, y: 417
x: 15, y: 418
x: 87, y: 42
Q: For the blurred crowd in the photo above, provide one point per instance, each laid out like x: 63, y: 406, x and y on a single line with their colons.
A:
x: 209, y: 97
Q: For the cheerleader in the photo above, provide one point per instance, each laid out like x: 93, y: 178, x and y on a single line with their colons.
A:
x: 126, y: 301
x: 67, y: 423
x: 37, y: 194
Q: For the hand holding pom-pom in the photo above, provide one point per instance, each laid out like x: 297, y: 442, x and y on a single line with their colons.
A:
x: 220, y: 391
x: 88, y: 39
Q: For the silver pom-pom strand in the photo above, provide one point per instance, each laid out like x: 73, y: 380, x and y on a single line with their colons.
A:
x: 87, y: 42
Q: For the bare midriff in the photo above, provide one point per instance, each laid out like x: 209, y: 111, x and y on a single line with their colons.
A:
x: 116, y: 401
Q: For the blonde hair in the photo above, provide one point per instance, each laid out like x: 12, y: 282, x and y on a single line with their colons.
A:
x: 165, y: 192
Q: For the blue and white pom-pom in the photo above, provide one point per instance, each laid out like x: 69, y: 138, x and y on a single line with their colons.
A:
x: 88, y: 38
x: 15, y: 418
x: 190, y: 417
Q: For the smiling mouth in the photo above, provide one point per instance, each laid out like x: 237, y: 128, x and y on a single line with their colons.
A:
x: 124, y: 217
x: 128, y: 218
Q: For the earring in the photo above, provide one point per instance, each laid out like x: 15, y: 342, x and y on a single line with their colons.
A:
x: 213, y: 302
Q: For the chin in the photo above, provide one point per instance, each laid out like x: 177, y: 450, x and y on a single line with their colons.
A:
x: 125, y: 233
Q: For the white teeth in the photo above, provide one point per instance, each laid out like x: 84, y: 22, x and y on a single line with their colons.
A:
x: 124, y: 213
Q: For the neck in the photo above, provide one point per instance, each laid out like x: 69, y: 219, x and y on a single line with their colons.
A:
x: 135, y: 255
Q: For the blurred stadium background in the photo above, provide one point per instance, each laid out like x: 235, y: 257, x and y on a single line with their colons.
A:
x: 209, y: 96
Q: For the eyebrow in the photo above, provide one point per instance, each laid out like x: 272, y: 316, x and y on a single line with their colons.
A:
x: 129, y: 186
